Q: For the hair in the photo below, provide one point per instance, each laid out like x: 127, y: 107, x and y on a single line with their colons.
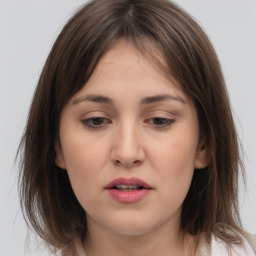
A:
x: 48, y: 201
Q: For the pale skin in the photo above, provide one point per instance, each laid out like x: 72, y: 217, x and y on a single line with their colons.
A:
x: 131, y: 121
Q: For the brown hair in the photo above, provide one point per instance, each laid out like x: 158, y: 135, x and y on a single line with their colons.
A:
x: 48, y: 201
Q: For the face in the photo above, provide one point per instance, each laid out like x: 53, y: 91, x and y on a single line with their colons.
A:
x: 129, y: 140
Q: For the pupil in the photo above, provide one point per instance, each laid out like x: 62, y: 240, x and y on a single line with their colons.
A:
x: 97, y: 121
x: 159, y: 121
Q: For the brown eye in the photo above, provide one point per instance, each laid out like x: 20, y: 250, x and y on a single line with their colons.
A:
x: 160, y: 122
x: 95, y: 122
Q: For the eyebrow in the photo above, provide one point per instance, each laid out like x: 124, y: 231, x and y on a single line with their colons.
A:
x: 94, y: 98
x: 147, y: 100
x: 162, y: 97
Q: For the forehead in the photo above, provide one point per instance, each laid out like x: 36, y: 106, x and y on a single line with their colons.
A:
x: 144, y: 52
x: 125, y: 66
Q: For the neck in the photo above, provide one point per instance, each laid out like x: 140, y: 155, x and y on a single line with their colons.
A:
x: 163, y: 242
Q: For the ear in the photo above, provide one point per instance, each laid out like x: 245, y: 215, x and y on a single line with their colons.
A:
x: 202, y: 158
x: 59, y: 158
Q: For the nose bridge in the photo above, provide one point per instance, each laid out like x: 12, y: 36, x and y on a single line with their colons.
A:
x: 128, y: 149
x: 128, y: 137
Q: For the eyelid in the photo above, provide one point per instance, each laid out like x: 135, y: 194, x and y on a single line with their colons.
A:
x: 88, y: 119
x: 94, y: 114
x: 88, y: 122
x: 167, y: 121
x: 161, y: 114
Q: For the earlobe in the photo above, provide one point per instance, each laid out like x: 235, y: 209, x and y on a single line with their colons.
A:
x: 59, y: 159
x: 202, y: 158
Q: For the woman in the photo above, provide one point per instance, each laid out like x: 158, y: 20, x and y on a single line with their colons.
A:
x: 130, y: 146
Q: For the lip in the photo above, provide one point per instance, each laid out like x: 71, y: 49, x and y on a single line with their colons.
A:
x: 129, y: 181
x: 131, y: 196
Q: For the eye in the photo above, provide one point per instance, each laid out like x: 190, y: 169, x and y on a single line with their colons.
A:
x: 96, y: 122
x: 160, y: 122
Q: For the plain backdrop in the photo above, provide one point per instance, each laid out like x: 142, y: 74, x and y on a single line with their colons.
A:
x: 27, y: 32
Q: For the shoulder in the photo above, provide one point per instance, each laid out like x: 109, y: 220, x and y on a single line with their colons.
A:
x: 247, y: 248
x: 218, y: 247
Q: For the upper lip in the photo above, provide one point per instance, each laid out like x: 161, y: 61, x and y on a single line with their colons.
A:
x: 128, y: 181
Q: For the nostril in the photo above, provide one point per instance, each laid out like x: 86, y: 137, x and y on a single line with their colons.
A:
x: 127, y: 163
x: 117, y: 162
x: 137, y: 163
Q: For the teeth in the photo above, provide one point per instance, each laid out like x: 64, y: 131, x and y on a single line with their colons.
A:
x: 127, y: 186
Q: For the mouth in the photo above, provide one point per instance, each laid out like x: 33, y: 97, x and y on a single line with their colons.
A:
x: 131, y: 184
x: 128, y: 187
x: 128, y: 190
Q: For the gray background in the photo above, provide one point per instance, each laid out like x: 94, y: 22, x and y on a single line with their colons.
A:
x: 27, y: 31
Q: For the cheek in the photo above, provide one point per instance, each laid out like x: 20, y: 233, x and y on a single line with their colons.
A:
x: 84, y: 163
x: 83, y: 153
x: 175, y: 156
x: 174, y: 162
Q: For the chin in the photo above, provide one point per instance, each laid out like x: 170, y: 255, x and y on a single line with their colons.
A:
x: 132, y: 228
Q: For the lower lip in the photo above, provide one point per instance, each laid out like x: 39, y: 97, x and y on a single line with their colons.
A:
x: 131, y: 196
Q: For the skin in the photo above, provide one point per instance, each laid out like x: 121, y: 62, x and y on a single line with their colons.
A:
x: 157, y: 142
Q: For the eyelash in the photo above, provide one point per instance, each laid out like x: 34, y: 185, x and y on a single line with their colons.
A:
x: 164, y: 122
x: 100, y: 122
x: 90, y: 122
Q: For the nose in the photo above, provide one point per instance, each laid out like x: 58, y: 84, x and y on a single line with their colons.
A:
x: 128, y: 150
